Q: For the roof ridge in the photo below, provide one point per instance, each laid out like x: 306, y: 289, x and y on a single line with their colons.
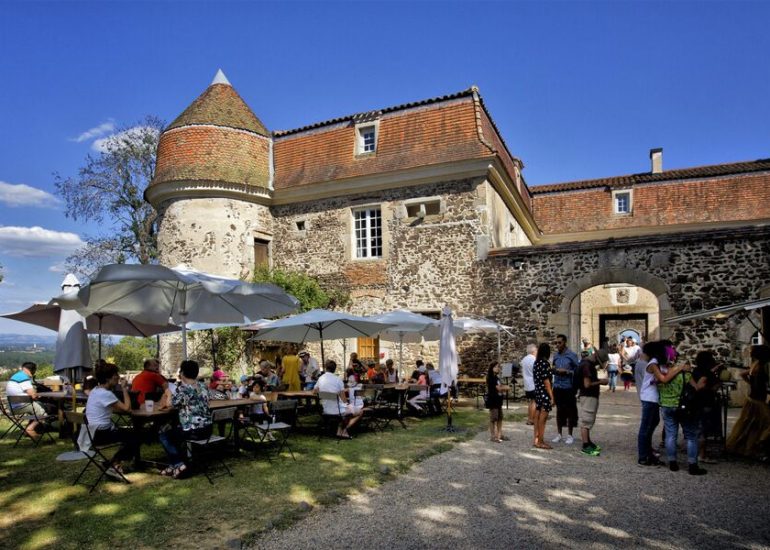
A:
x: 689, y: 172
x: 363, y: 114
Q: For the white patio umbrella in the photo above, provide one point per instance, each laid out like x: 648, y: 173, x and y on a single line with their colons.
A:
x: 319, y: 324
x: 156, y: 294
x: 447, y: 360
x: 407, y: 327
x: 471, y: 325
x: 48, y: 315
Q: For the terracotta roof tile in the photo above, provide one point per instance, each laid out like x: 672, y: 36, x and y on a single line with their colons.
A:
x: 714, y: 170
x: 220, y: 105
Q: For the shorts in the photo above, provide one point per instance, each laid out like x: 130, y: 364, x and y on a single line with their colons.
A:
x: 529, y: 394
x: 30, y: 408
x: 588, y: 408
x: 496, y: 415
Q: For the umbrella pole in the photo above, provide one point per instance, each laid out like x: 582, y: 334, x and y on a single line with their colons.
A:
x: 184, y: 339
x: 401, y: 354
x: 321, y: 334
x: 100, y: 336
x: 499, y: 352
x: 213, y: 348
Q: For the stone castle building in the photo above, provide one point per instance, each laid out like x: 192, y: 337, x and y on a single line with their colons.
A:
x: 423, y: 204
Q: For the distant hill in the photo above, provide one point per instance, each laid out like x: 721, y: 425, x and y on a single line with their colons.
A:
x: 27, y: 340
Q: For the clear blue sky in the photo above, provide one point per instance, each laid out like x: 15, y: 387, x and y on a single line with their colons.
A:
x: 579, y: 89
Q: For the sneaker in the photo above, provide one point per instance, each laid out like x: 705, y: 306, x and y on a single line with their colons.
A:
x: 673, y: 466
x: 570, y: 440
x: 556, y: 438
x: 594, y: 446
x: 590, y: 451
x: 695, y: 470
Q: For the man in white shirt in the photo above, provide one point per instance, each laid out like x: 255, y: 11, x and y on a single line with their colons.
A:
x: 631, y: 352
x: 527, y: 364
x: 21, y: 385
x: 331, y: 383
x: 308, y: 369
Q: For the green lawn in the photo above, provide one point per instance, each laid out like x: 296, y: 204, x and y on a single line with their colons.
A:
x: 41, y: 509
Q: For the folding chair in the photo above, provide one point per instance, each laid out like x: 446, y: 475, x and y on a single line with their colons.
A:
x: 329, y: 420
x: 18, y: 423
x: 97, y: 457
x: 277, y: 428
x: 27, y: 417
x: 391, y: 406
x: 213, y: 447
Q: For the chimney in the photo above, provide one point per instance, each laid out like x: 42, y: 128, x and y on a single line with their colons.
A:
x: 656, y: 160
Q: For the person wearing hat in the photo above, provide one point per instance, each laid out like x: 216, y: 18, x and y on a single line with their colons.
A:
x: 589, y: 397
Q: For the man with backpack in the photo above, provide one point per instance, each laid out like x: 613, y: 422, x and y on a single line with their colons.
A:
x: 565, y: 366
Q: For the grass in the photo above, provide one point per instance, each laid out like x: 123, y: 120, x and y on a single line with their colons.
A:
x: 42, y: 509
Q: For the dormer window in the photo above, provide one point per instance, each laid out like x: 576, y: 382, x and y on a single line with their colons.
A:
x: 366, y: 138
x: 621, y: 201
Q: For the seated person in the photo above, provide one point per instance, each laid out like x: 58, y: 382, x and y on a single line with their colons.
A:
x: 271, y: 379
x: 149, y: 380
x: 219, y: 386
x: 416, y: 372
x: 422, y: 395
x: 243, y: 389
x: 191, y: 399
x: 259, y: 411
x: 434, y: 376
x: 379, y: 375
x: 20, y: 385
x: 371, y: 371
x: 89, y: 384
x: 391, y: 375
x: 101, y: 404
x: 351, y: 374
x: 349, y: 414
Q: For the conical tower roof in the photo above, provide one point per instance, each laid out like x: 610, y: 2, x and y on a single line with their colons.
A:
x: 220, y: 105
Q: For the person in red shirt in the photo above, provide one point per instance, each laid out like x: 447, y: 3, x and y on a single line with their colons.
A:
x: 149, y: 380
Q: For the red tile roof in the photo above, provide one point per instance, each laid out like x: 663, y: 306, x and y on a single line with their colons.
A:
x: 714, y: 170
x: 220, y: 105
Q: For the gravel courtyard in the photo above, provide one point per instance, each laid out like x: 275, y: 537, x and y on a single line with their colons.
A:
x: 509, y: 495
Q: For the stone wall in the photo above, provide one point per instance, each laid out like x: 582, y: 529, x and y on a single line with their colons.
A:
x: 687, y: 273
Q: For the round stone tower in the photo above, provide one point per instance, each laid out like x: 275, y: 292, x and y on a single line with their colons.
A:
x: 213, y: 179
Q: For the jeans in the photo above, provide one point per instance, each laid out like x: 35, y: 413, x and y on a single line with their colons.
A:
x: 612, y: 376
x: 690, y: 430
x: 174, y: 439
x: 650, y: 421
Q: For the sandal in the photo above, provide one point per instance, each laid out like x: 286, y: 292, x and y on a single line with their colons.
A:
x: 179, y: 471
x: 543, y: 446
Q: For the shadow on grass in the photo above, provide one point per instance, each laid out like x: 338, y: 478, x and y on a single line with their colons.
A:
x: 42, y: 509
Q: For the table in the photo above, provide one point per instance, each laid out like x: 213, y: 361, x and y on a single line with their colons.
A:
x: 60, y: 398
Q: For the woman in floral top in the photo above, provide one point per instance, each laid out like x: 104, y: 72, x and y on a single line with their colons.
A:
x: 192, y: 401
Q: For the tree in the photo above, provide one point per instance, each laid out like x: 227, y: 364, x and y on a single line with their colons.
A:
x: 303, y: 287
x: 109, y: 190
x: 130, y: 352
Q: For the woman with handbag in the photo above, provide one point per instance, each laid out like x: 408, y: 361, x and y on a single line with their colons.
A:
x: 674, y: 393
x: 750, y: 435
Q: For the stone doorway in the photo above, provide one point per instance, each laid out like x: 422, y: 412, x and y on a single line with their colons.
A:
x: 612, y: 326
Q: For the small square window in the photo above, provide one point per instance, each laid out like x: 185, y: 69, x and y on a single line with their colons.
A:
x: 622, y: 202
x: 422, y: 209
x: 366, y: 138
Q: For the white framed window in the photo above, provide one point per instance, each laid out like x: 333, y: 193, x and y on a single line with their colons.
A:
x: 367, y: 232
x: 622, y: 201
x: 366, y: 138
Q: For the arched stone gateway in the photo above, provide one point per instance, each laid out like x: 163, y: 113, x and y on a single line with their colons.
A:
x: 567, y: 319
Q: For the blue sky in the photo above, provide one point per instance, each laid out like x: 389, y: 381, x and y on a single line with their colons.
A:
x: 578, y: 90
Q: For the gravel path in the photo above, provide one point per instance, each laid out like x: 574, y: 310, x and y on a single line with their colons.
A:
x: 509, y: 495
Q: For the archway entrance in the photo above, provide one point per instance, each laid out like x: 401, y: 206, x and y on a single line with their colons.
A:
x: 616, y: 327
x: 617, y: 291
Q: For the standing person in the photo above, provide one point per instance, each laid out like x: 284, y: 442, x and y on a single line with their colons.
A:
x: 309, y: 371
x: 20, y: 385
x: 670, y: 385
x: 613, y: 367
x: 191, y: 400
x: 629, y: 354
x: 589, y: 397
x: 495, y: 402
x: 527, y: 364
x: 565, y: 361
x: 290, y: 364
x: 149, y: 380
x: 653, y: 355
x: 710, y: 413
x: 391, y: 375
x: 541, y: 374
x: 750, y: 435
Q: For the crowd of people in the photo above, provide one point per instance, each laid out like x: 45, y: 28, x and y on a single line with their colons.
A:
x: 684, y: 395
